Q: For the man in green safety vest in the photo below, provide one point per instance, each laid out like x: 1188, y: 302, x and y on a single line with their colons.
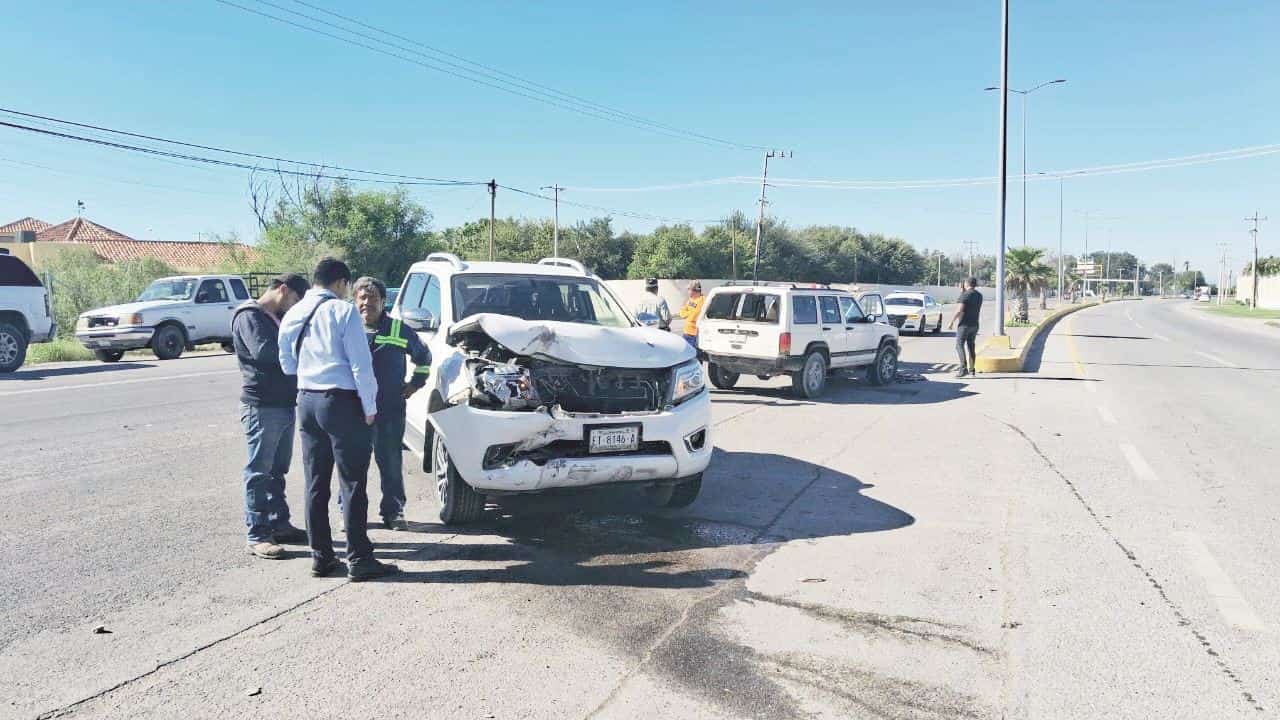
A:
x: 391, y: 343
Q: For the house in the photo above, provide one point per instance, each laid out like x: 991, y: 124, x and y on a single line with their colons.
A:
x: 35, y: 241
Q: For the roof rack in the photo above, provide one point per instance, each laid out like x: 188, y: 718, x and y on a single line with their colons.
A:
x: 447, y: 257
x: 564, y: 262
x: 777, y: 283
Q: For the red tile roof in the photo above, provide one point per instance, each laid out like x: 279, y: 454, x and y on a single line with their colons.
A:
x: 79, y: 230
x: 26, y: 223
x: 181, y: 256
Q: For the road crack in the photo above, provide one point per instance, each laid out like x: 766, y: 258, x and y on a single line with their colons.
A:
x: 1178, y: 613
x: 72, y: 707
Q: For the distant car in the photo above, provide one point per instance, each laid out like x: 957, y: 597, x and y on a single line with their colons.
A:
x: 26, y: 315
x: 172, y: 314
x: 1204, y: 297
x: 914, y: 311
x: 392, y: 293
x: 1186, y: 296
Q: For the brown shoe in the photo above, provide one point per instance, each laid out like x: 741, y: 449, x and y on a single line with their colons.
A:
x: 266, y: 550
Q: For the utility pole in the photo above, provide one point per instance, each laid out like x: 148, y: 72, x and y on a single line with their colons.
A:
x: 1255, y: 275
x: 555, y: 236
x: 493, y: 197
x: 1004, y: 160
x: 733, y: 245
x: 764, y: 183
x: 939, y: 269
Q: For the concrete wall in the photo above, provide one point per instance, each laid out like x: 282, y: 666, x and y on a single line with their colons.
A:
x: 1268, y: 290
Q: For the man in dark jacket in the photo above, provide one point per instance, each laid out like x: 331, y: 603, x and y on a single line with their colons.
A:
x: 267, y: 404
x: 390, y: 342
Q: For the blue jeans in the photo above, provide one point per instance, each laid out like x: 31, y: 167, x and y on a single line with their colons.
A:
x: 269, y: 432
x: 692, y: 340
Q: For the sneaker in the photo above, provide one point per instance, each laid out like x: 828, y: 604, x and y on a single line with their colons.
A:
x: 289, y: 534
x: 962, y: 373
x: 324, y: 567
x: 266, y: 550
x: 396, y: 523
x: 370, y: 569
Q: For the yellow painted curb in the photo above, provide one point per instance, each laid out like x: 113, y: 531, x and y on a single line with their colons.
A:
x: 995, y: 359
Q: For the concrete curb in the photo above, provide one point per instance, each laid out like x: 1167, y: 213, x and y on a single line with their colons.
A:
x: 997, y: 357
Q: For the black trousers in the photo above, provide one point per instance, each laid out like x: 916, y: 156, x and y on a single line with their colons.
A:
x: 966, y: 338
x: 333, y: 432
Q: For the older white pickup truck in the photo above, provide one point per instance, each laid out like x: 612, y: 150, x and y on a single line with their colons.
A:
x: 172, y: 314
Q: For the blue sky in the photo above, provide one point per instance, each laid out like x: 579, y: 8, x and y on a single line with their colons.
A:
x: 858, y: 90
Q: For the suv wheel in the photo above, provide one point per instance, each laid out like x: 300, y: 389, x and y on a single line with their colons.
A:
x: 459, y: 502
x: 228, y: 347
x: 168, y: 343
x: 684, y: 492
x: 885, y: 368
x: 811, y: 380
x: 108, y: 356
x: 13, y: 347
x: 721, y: 378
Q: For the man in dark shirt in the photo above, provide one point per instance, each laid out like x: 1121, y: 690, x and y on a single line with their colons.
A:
x: 267, y: 404
x: 390, y: 342
x: 967, y: 332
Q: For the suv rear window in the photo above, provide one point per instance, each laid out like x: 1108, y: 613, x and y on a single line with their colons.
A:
x: 755, y: 307
x: 14, y: 272
x: 804, y: 309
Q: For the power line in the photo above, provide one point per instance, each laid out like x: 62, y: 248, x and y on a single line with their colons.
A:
x: 213, y: 148
x: 563, y: 102
x: 612, y: 211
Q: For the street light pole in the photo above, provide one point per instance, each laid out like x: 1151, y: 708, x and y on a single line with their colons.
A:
x: 1061, y: 269
x: 1024, y: 94
x: 1004, y: 160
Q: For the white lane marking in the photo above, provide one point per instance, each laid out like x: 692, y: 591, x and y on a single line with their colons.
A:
x: 1159, y: 337
x: 1215, y: 358
x: 1107, y: 417
x: 1137, y: 462
x: 1234, y: 608
x: 84, y: 386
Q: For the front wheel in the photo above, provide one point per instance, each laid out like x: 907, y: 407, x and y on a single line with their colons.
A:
x: 168, y: 343
x: 683, y: 493
x: 108, y: 356
x: 721, y: 378
x: 885, y: 368
x: 13, y: 347
x: 459, y: 502
x: 938, y: 328
x: 228, y: 347
x: 811, y: 380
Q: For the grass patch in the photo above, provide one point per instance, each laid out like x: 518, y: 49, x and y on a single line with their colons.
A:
x: 1243, y: 311
x: 60, y: 350
x: 1017, y: 323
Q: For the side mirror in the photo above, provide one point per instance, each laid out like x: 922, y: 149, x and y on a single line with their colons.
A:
x: 420, y: 319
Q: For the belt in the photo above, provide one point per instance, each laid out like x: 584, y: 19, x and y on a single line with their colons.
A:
x: 330, y: 392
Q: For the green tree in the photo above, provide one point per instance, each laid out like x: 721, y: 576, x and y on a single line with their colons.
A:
x: 676, y: 251
x: 82, y: 282
x: 1025, y: 272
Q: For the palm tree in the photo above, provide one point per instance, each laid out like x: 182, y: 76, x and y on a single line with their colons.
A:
x: 1024, y: 273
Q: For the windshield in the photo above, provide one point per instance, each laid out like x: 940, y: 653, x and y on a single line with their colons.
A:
x: 913, y: 302
x: 537, y: 298
x: 169, y: 289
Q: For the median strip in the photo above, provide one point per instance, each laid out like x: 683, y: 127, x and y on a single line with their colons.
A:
x: 998, y: 354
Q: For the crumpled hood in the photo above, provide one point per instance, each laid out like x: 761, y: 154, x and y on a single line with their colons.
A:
x: 133, y: 307
x: 579, y: 343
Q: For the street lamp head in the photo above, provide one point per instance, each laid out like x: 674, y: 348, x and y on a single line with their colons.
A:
x: 1055, y: 82
x: 989, y: 89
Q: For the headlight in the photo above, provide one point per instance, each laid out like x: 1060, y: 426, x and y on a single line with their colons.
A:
x: 82, y: 323
x: 134, y: 319
x: 913, y: 316
x: 686, y: 381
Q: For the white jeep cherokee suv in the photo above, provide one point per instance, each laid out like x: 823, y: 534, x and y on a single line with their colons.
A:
x: 542, y: 380
x: 771, y: 329
x: 26, y: 315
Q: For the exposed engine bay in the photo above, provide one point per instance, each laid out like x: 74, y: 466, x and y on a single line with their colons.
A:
x: 503, y: 380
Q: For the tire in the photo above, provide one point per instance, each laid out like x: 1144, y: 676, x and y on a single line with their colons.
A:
x: 13, y: 347
x: 684, y: 492
x: 938, y: 328
x: 228, y: 348
x: 459, y: 502
x: 811, y: 380
x: 168, y: 343
x: 108, y: 356
x: 722, y: 379
x: 885, y: 368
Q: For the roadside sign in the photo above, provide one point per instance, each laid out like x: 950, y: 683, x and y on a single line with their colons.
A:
x: 1086, y: 268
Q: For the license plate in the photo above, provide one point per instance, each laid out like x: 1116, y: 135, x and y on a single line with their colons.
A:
x: 615, y: 439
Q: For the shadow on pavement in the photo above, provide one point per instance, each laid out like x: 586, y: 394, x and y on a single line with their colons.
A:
x: 1106, y: 337
x: 845, y: 390
x: 35, y: 372
x: 1035, y: 355
x: 616, y: 537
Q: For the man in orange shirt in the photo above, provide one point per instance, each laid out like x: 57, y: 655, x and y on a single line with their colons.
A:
x: 690, y: 311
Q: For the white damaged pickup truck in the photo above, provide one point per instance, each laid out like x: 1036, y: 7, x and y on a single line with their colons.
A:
x: 543, y: 381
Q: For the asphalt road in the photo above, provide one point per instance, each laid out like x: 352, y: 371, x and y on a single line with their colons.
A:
x: 1097, y: 539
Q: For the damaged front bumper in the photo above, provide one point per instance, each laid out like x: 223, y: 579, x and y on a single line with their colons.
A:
x: 498, y: 451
